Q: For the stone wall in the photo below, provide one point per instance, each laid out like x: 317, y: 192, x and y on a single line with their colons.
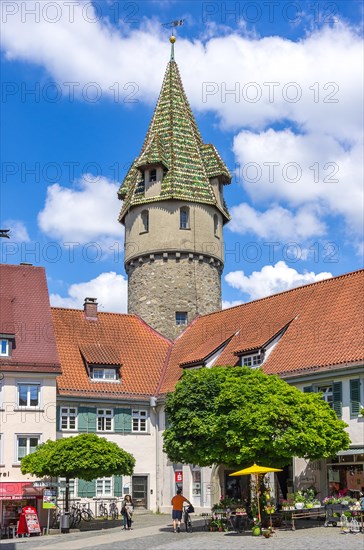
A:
x: 161, y: 284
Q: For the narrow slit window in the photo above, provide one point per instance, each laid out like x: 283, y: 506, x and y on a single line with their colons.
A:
x: 184, y: 218
x: 152, y: 175
x: 144, y: 221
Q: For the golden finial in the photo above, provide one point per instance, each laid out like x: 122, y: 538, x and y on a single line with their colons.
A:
x: 172, y: 38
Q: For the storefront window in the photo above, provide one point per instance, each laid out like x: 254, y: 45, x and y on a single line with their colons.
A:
x: 345, y: 479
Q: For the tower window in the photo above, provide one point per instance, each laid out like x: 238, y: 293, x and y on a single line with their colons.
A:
x: 216, y: 226
x: 181, y: 317
x: 184, y: 218
x: 144, y: 222
x: 152, y: 175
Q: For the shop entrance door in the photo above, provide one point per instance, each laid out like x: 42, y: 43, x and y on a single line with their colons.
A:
x: 140, y: 491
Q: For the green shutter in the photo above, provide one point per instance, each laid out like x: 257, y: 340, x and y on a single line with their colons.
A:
x: 118, y: 486
x: 308, y: 389
x: 58, y: 418
x: 86, y: 489
x: 86, y: 419
x: 337, y: 398
x: 122, y: 420
x: 354, y: 397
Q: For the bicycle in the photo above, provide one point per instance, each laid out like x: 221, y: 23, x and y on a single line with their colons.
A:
x: 75, y: 515
x: 113, y: 510
x: 187, y: 510
x: 86, y: 513
x: 103, y: 511
x: 56, y: 517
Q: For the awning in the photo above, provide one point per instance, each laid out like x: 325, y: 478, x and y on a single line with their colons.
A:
x: 17, y: 490
x: 352, y: 451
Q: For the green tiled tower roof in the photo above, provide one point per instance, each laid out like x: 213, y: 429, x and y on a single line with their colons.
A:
x: 174, y: 142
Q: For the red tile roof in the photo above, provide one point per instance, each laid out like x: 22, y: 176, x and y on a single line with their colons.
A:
x: 25, y: 312
x: 98, y: 354
x: 140, y: 350
x: 321, y: 326
x: 325, y: 327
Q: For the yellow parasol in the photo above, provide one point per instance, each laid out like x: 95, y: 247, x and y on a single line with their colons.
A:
x: 256, y: 471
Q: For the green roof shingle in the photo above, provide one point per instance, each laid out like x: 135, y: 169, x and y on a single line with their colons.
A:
x: 173, y: 141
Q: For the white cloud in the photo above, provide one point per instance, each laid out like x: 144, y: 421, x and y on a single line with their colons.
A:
x: 18, y: 231
x: 324, y: 69
x: 271, y: 280
x: 83, y: 51
x: 309, y: 169
x: 276, y: 222
x: 109, y: 288
x: 85, y: 214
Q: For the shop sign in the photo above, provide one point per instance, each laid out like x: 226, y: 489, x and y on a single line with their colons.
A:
x: 28, y: 522
x: 49, y: 498
x: 49, y: 484
x: 178, y: 476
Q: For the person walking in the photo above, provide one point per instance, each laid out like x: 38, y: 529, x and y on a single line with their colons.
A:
x: 177, y: 509
x: 127, y: 509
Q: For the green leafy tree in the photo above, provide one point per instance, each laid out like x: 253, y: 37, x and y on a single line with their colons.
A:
x: 84, y: 456
x: 236, y: 416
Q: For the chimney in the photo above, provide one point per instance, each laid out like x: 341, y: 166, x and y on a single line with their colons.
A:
x: 90, y: 309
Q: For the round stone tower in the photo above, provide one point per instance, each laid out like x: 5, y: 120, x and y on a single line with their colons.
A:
x: 174, y: 211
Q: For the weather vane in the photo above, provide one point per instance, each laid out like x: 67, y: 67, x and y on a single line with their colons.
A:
x: 173, y: 24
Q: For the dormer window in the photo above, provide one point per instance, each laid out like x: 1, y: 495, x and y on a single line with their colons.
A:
x: 152, y: 175
x: 103, y: 374
x: 4, y: 347
x: 252, y: 361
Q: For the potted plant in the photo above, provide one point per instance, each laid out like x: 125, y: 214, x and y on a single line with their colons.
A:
x: 266, y: 533
x: 299, y: 500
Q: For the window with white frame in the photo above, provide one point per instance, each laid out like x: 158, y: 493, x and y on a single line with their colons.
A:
x: 104, y: 486
x: 25, y: 445
x: 62, y: 487
x: 28, y: 395
x: 327, y: 393
x: 4, y: 347
x: 139, y: 420
x: 68, y: 418
x: 104, y: 420
x: 103, y: 374
x: 252, y: 360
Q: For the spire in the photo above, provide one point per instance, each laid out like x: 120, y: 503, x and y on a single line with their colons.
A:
x: 173, y: 141
x: 172, y: 40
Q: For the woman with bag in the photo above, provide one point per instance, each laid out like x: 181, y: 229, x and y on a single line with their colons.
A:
x: 127, y: 509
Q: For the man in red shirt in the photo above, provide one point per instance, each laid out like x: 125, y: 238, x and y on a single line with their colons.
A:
x: 177, y: 508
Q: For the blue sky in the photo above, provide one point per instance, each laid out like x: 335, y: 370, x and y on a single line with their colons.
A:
x: 276, y: 86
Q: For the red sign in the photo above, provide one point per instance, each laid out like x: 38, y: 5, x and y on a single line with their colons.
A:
x: 178, y: 476
x: 28, y: 521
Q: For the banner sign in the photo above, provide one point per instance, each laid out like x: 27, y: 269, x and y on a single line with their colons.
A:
x: 49, y: 498
x: 178, y: 476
